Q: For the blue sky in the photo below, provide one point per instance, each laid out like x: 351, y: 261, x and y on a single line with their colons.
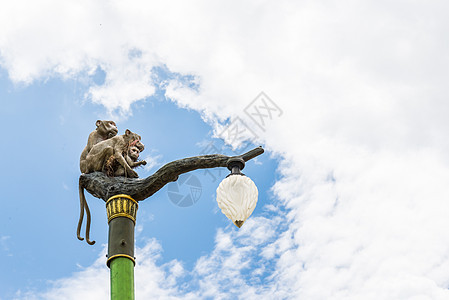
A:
x: 353, y: 184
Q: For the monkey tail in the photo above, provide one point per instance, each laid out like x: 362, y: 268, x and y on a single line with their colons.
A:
x: 82, y: 201
x: 88, y: 225
x: 83, y: 206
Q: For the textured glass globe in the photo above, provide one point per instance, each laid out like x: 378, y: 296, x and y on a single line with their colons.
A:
x: 237, y: 198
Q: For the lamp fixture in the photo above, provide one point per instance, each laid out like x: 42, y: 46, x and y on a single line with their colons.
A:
x: 237, y: 194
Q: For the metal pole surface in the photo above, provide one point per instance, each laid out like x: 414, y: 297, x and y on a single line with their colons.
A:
x: 121, y: 210
x: 122, y: 279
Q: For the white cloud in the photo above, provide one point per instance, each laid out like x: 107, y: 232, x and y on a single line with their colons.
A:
x: 152, y: 161
x: 90, y: 283
x: 152, y: 282
x: 377, y: 231
x: 363, y: 135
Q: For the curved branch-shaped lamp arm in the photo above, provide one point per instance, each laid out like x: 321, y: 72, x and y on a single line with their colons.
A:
x: 104, y: 187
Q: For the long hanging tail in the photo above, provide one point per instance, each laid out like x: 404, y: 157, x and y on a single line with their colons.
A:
x: 83, y: 206
x: 88, y: 223
x: 82, y: 201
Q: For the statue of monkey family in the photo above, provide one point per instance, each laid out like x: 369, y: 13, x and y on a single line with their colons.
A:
x: 105, y: 150
x: 115, y: 155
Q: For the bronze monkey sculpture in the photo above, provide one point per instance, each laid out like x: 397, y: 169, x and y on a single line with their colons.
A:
x: 104, y: 130
x: 96, y: 160
x: 115, y: 146
x: 113, y: 169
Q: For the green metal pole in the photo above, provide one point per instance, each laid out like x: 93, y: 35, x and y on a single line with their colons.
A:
x: 122, y: 279
x: 121, y: 210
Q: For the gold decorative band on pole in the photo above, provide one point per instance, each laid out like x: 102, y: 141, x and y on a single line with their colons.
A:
x: 108, y: 262
x: 121, y: 206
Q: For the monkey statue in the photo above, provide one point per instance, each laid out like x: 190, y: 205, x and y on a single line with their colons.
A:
x: 116, y: 146
x: 113, y: 169
x: 105, y: 130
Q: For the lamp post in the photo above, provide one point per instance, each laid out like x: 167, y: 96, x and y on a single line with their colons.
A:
x: 236, y: 196
x: 121, y: 211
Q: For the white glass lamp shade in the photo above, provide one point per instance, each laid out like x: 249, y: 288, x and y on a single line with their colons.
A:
x: 237, y: 198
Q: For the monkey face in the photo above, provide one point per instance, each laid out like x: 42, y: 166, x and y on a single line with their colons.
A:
x: 140, y: 146
x: 134, y: 139
x: 134, y: 153
x: 107, y: 128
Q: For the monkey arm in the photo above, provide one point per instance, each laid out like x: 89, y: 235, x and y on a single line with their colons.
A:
x: 129, y: 161
x: 121, y: 160
x: 104, y: 187
x: 135, y: 164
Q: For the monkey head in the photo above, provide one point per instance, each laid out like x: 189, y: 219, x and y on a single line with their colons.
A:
x: 106, y: 129
x: 133, y: 153
x: 134, y: 140
x: 131, y: 137
x: 140, y: 146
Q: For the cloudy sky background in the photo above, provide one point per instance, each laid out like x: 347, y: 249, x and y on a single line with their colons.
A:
x: 356, y: 199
